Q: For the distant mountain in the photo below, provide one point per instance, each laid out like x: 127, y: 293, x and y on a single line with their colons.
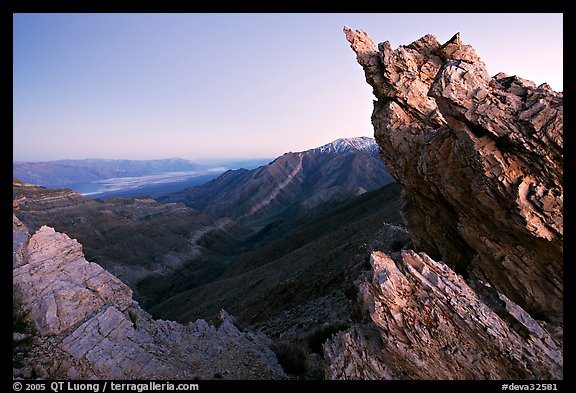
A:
x: 291, y: 184
x: 344, y: 145
x: 62, y: 173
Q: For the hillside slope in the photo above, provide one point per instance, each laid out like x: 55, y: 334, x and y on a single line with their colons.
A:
x: 303, y: 262
x: 139, y: 240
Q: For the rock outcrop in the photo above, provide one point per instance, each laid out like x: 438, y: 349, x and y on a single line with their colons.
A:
x: 480, y: 163
x: 430, y: 324
x: 80, y: 322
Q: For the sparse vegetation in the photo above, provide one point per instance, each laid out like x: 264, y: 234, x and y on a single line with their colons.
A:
x: 133, y: 318
x: 21, y: 347
x: 19, y: 323
x: 291, y: 357
x: 315, y: 372
x: 322, y: 334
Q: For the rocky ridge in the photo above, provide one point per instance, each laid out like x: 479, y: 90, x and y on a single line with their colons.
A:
x: 291, y: 184
x: 431, y: 324
x: 76, y: 320
x: 480, y: 163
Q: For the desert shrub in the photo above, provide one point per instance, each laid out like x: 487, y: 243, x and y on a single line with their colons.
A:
x: 315, y: 372
x: 20, y: 348
x: 322, y: 334
x: 291, y: 357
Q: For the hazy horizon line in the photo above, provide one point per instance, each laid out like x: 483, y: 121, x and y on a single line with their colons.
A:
x: 194, y: 160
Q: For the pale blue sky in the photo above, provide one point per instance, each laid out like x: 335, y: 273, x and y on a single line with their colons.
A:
x: 144, y: 86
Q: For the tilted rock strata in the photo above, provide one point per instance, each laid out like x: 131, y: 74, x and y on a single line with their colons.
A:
x: 480, y: 162
x: 433, y: 325
x: 60, y: 288
x: 482, y: 192
x: 86, y: 325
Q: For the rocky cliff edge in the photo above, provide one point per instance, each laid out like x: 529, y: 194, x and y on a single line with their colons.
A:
x: 74, y: 320
x: 480, y: 162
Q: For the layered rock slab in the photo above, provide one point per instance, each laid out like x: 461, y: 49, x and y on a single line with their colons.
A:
x: 85, y: 324
x: 423, y: 321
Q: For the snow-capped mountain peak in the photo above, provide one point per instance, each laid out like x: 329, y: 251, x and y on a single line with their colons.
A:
x: 346, y: 144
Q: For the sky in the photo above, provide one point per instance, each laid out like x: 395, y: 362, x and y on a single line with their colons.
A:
x: 198, y: 86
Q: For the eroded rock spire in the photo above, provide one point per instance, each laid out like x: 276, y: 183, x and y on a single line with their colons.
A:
x: 480, y: 161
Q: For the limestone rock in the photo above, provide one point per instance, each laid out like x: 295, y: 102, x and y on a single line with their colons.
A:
x: 480, y: 163
x: 85, y: 325
x: 357, y: 354
x: 59, y: 288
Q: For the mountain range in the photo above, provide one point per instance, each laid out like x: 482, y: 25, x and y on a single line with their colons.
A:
x: 103, y: 178
x: 291, y: 184
x: 61, y: 173
x: 163, y: 248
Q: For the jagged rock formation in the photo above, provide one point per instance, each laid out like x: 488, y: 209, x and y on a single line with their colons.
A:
x: 81, y: 323
x: 432, y: 325
x: 480, y: 163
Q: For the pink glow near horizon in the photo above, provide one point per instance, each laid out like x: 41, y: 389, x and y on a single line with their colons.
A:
x: 145, y: 86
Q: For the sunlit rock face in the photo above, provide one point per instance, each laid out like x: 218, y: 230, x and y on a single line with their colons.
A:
x: 423, y: 321
x: 480, y: 162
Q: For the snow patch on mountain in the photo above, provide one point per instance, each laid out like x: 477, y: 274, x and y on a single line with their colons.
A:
x: 342, y: 145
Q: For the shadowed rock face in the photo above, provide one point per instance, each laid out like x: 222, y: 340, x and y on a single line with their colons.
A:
x: 480, y: 162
